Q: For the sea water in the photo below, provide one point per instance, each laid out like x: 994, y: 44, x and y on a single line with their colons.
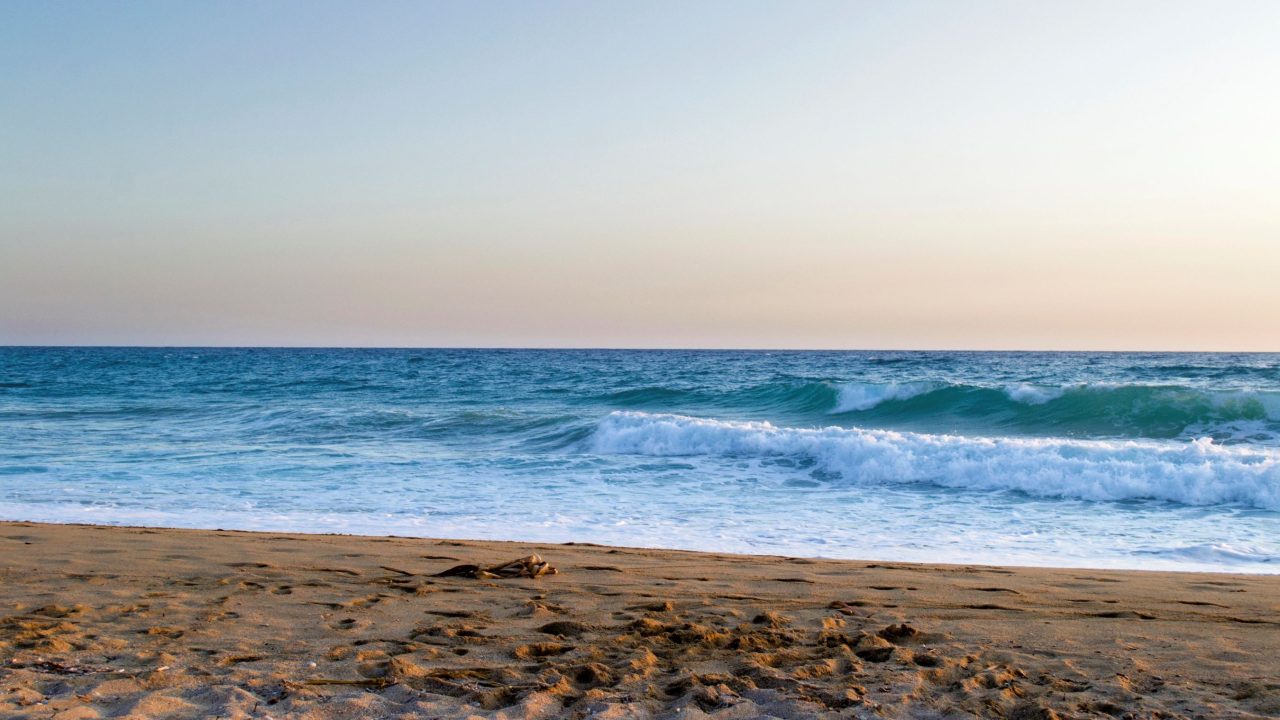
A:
x: 1160, y: 461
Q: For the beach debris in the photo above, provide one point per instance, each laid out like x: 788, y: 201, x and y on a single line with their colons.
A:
x: 898, y: 633
x: 56, y: 668
x: 530, y: 566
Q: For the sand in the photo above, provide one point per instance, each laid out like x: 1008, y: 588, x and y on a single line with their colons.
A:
x: 131, y: 622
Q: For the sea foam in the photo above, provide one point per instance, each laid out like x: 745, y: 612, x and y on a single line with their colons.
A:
x: 1217, y: 554
x: 1193, y: 473
x: 864, y: 396
x: 1033, y: 394
x: 520, y: 445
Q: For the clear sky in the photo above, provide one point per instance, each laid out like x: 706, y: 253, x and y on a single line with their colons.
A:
x: 1069, y: 175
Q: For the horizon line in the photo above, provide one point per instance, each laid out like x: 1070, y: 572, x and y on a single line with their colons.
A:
x: 576, y: 348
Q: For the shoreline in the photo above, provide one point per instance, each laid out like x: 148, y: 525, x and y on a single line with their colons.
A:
x: 1155, y: 564
x: 518, y: 544
x: 100, y: 621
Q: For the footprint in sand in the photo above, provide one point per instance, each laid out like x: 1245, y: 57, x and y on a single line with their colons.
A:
x: 926, y: 660
x: 534, y: 608
x: 341, y: 571
x: 216, y: 615
x: 59, y: 611
x: 366, y: 601
x: 663, y: 606
x: 565, y: 628
x: 538, y: 651
x: 899, y: 633
x: 454, y: 613
x: 1124, y: 614
x: 1215, y: 586
x: 238, y: 659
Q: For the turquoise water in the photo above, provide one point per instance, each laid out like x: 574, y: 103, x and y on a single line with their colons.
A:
x: 1079, y: 459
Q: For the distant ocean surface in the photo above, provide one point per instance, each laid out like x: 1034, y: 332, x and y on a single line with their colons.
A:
x: 1133, y: 460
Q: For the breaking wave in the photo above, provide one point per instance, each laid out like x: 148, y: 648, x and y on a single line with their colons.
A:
x: 1074, y: 411
x: 864, y: 396
x: 1193, y: 473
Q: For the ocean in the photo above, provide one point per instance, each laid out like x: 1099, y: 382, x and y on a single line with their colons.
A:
x: 1119, y: 460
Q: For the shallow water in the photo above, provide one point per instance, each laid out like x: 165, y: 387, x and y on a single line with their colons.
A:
x: 1081, y: 459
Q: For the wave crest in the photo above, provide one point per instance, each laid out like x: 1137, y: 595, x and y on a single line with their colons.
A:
x: 854, y: 397
x: 1033, y: 394
x: 1017, y: 408
x: 1193, y: 473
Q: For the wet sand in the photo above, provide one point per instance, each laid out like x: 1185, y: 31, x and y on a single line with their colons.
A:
x: 147, y: 623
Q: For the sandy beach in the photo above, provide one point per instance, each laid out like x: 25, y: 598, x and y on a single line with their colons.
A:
x: 133, y: 622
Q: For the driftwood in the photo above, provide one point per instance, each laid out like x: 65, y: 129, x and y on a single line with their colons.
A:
x: 532, y: 566
x: 55, y: 668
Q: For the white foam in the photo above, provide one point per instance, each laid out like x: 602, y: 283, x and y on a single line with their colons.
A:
x: 1253, y: 432
x: 1242, y: 401
x: 864, y: 396
x: 1033, y: 394
x: 1194, y: 473
x: 1218, y: 554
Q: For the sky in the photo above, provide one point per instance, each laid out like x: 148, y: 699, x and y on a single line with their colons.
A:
x: 976, y: 175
